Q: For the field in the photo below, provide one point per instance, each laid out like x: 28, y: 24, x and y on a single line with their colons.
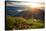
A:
x: 18, y: 23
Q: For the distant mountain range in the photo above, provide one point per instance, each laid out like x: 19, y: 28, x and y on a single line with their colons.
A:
x: 12, y: 11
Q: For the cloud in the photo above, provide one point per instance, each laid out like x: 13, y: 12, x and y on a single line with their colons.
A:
x: 27, y: 0
x: 24, y: 4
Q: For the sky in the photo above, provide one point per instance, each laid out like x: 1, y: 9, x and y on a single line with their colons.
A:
x: 29, y: 4
x: 33, y: 4
x: 27, y: 0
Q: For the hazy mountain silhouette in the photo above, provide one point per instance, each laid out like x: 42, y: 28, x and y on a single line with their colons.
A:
x: 36, y: 13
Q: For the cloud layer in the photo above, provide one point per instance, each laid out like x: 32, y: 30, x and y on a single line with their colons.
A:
x: 25, y: 4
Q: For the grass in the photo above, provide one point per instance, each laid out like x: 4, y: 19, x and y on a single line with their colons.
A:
x: 21, y: 23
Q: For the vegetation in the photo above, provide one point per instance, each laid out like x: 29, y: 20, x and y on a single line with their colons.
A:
x: 22, y: 23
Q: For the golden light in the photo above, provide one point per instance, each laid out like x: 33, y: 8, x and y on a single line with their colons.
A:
x: 29, y: 3
x: 33, y: 3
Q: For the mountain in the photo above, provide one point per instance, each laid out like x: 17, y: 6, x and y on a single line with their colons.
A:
x: 10, y: 10
x: 34, y: 12
x: 38, y: 13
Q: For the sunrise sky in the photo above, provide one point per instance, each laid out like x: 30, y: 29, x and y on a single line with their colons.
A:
x: 29, y: 3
